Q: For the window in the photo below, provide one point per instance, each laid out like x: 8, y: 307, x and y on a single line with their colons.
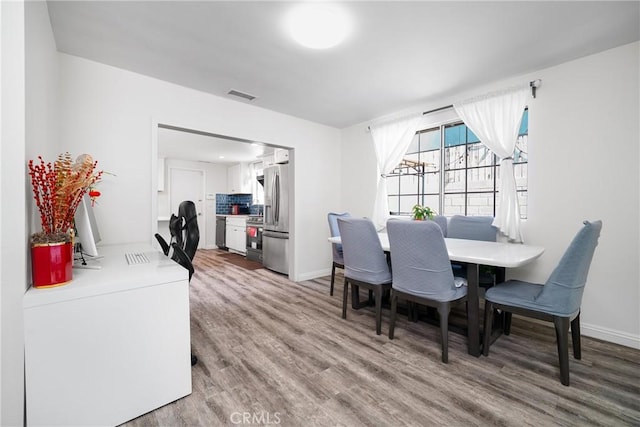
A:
x: 449, y: 170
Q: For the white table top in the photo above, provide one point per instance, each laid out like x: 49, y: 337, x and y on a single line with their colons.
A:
x: 497, y: 254
x: 115, y: 275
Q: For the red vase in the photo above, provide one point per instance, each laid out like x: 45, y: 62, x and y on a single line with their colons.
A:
x: 51, y: 264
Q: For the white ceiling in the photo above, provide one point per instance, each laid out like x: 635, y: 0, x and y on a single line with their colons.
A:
x: 178, y: 144
x: 399, y: 54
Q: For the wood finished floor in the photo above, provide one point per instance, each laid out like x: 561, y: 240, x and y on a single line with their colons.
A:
x: 278, y: 352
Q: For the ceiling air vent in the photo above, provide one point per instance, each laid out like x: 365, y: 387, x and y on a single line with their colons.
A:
x: 241, y: 95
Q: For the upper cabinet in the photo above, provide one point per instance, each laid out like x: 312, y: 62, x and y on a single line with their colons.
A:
x: 238, y: 179
x: 268, y: 160
x: 281, y: 155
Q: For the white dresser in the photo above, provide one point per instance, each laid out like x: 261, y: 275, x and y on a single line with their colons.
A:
x: 112, y: 345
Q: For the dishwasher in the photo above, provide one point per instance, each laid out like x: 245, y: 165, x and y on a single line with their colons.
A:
x: 221, y: 227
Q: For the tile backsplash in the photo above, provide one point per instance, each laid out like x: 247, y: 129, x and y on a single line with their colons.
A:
x: 225, y: 201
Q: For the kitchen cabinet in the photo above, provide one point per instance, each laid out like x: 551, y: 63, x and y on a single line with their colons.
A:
x: 238, y: 179
x: 268, y: 160
x: 235, y: 234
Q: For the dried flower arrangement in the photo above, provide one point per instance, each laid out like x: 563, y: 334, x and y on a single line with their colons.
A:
x: 58, y: 189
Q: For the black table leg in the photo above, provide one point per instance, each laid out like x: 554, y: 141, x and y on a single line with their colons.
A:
x: 473, y: 308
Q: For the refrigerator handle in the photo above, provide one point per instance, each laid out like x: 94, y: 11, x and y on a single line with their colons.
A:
x: 277, y: 197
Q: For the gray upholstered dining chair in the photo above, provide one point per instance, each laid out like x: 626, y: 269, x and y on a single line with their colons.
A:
x: 557, y: 301
x: 441, y: 220
x: 471, y: 228
x: 365, y: 263
x: 474, y: 228
x: 336, y: 248
x: 422, y: 272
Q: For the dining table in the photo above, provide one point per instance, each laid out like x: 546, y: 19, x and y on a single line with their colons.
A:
x: 473, y: 254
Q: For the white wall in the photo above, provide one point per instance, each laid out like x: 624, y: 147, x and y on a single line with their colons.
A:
x: 13, y: 236
x: 108, y: 112
x: 583, y: 164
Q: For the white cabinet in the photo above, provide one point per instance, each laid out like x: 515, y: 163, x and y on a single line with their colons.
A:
x: 111, y: 345
x: 281, y: 155
x: 268, y: 160
x: 238, y: 179
x: 235, y: 238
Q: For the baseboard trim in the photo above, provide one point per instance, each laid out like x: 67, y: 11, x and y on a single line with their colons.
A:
x: 610, y: 335
x: 313, y: 275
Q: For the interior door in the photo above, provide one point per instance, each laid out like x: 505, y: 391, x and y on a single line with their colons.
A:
x: 188, y: 184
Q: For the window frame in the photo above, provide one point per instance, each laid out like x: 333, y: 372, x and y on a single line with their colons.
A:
x: 420, y: 194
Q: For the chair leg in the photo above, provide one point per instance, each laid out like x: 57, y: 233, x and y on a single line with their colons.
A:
x: 488, y: 323
x: 392, y: 320
x: 345, y: 294
x: 443, y: 311
x: 507, y: 323
x: 333, y: 278
x: 575, y: 337
x: 562, y: 337
x: 378, y: 296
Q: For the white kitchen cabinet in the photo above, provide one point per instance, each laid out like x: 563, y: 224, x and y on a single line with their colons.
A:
x: 281, y: 155
x: 235, y: 238
x: 268, y: 160
x: 238, y: 179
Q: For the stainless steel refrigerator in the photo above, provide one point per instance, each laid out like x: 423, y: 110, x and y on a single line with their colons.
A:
x: 275, y: 238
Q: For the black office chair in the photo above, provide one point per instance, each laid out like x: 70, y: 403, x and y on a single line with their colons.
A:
x: 175, y: 228
x: 163, y: 244
x: 181, y: 257
x: 189, y: 234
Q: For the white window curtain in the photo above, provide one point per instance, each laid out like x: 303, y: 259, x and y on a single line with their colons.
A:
x: 391, y: 141
x: 495, y: 119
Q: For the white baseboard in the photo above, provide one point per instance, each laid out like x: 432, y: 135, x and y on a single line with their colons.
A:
x: 610, y: 335
x: 313, y: 275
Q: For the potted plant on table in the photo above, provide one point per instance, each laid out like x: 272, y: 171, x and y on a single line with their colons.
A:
x: 421, y: 213
x: 58, y: 189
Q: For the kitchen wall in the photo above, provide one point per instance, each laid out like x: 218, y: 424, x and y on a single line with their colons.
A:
x: 583, y: 164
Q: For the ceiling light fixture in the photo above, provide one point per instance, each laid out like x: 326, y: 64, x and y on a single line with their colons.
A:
x: 318, y: 25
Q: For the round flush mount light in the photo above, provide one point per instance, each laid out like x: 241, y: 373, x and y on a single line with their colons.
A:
x: 318, y: 25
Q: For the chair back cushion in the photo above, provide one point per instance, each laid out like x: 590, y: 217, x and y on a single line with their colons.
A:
x: 420, y: 261
x: 441, y: 220
x: 190, y: 231
x: 181, y: 257
x: 333, y: 228
x: 175, y: 229
x: 562, y: 293
x: 364, y: 258
x: 472, y: 228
